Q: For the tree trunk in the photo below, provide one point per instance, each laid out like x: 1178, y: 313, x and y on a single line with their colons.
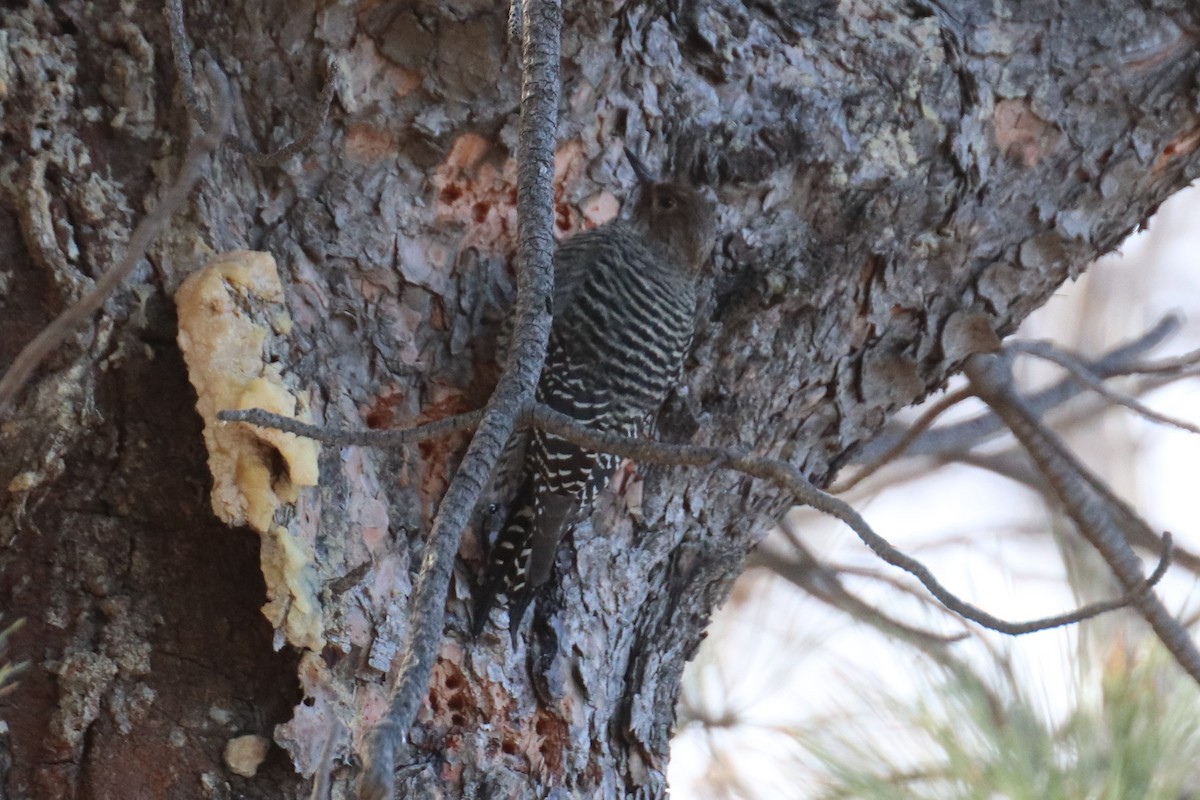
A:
x: 884, y: 167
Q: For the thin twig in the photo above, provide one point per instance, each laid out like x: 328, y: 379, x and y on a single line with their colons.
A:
x: 895, y: 582
x: 146, y: 232
x: 1154, y: 374
x: 788, y: 477
x: 1179, y: 365
x: 1076, y: 367
x: 1140, y: 534
x: 542, y: 23
x: 347, y: 438
x: 1135, y: 528
x: 896, y: 450
x: 1091, y: 510
x: 823, y: 582
x: 181, y: 51
x: 783, y: 475
x: 962, y: 435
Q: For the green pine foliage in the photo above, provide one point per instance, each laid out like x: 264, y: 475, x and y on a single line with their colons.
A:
x: 1132, y: 733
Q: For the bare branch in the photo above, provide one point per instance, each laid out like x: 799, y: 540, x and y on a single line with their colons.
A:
x: 1076, y: 367
x: 823, y: 583
x: 1180, y: 365
x: 542, y: 23
x: 143, y: 236
x: 181, y: 51
x: 895, y: 451
x: 785, y: 476
x: 1154, y: 375
x: 894, y: 581
x: 963, y: 435
x: 347, y: 438
x: 1014, y: 466
x: 1088, y: 506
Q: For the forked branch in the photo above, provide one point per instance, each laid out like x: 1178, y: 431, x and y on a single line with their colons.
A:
x: 782, y: 474
x: 1092, y: 508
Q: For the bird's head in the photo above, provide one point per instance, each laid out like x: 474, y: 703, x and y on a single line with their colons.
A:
x: 674, y: 216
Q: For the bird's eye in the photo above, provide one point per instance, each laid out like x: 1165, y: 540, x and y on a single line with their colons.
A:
x: 666, y: 203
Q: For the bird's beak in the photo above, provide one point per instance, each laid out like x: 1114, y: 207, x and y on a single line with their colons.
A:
x: 643, y: 175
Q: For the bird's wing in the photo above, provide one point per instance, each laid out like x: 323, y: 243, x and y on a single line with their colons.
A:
x: 576, y: 257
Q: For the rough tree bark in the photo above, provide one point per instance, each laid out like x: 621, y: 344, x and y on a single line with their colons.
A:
x: 883, y: 166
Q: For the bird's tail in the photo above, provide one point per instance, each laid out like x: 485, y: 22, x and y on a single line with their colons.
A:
x: 522, y: 558
x: 505, y: 574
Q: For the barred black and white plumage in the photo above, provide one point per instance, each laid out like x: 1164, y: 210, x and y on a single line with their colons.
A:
x: 624, y: 312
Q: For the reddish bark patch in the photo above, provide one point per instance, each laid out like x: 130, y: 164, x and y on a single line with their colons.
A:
x: 553, y: 738
x: 440, y: 455
x: 382, y: 413
x: 367, y: 144
x: 447, y: 405
x: 562, y: 215
x: 437, y: 314
x: 1182, y: 145
x: 477, y: 193
x: 450, y: 698
x: 1021, y: 134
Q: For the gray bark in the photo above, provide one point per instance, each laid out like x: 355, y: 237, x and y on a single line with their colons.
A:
x: 882, y: 167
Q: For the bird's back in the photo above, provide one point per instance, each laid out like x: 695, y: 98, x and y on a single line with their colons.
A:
x: 623, y: 319
x: 624, y: 309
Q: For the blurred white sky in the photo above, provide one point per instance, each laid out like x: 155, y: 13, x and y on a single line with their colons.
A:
x: 778, y: 660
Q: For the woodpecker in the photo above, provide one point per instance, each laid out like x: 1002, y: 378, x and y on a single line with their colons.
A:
x: 624, y: 309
